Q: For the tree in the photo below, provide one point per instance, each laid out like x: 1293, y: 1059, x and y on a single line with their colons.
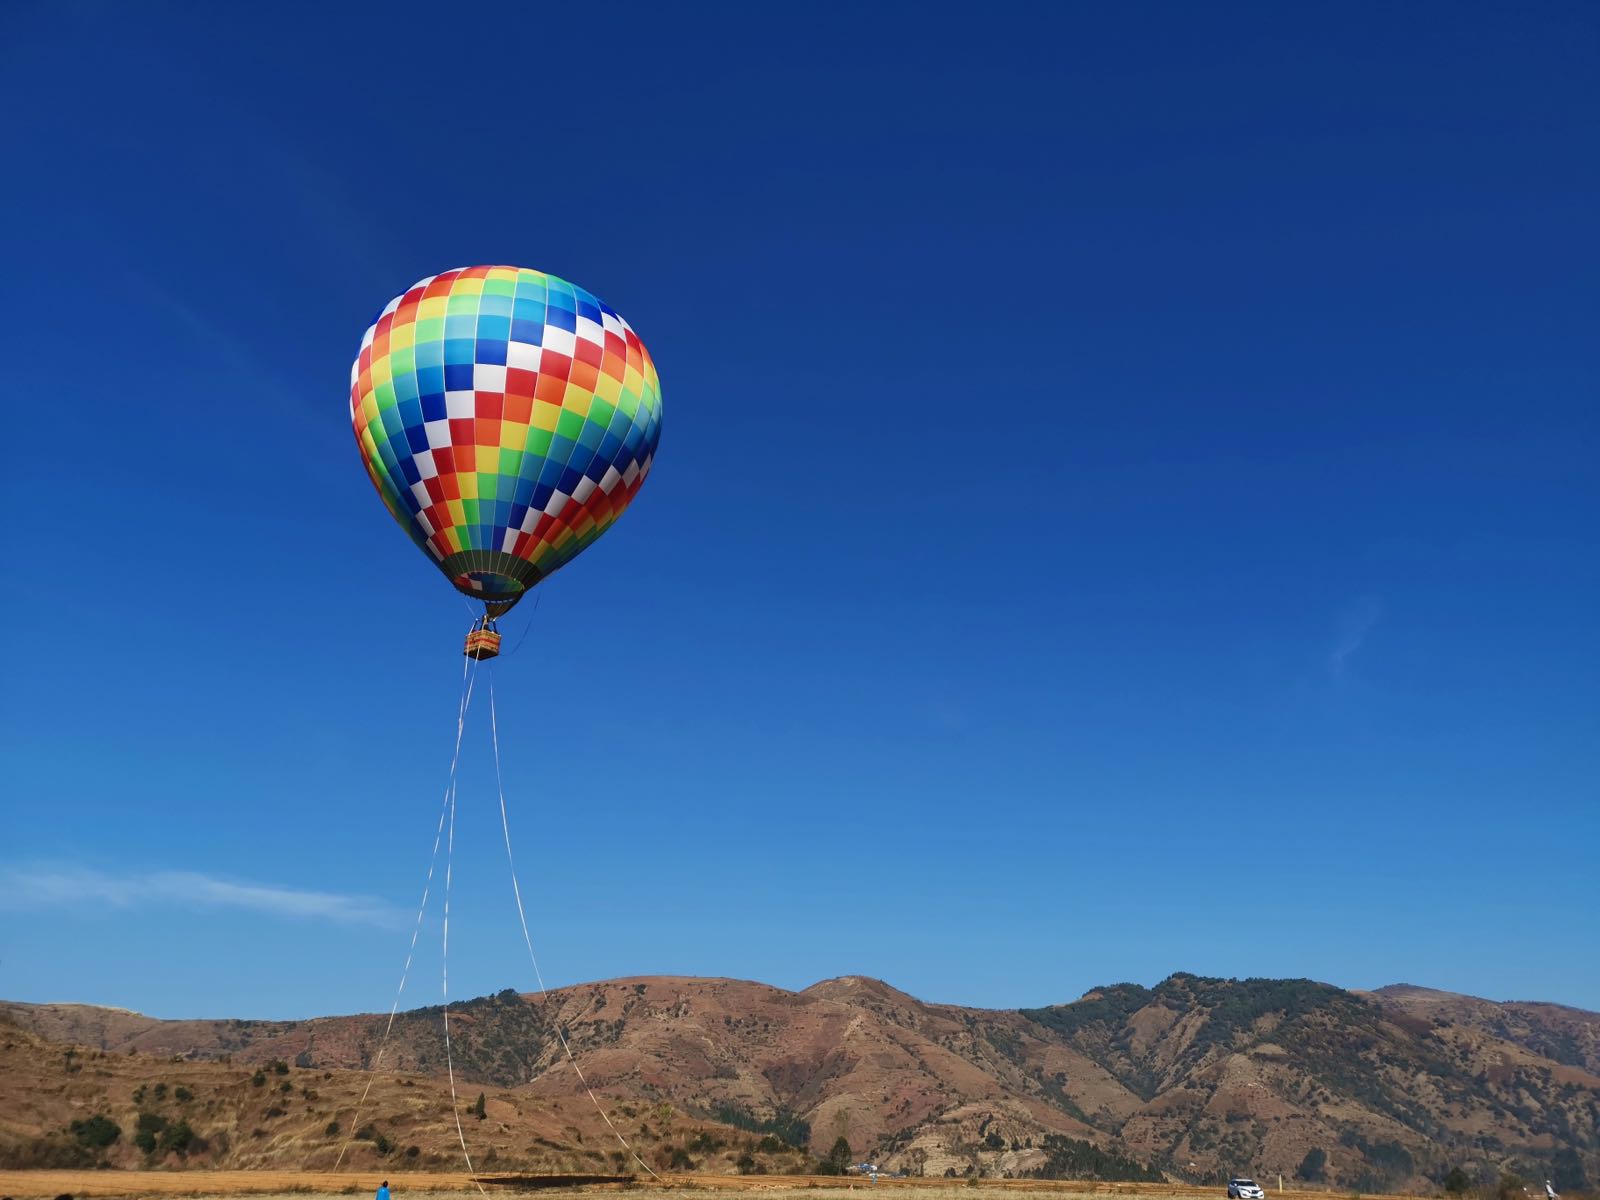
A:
x: 1313, y: 1167
x: 149, y: 1125
x: 477, y: 1109
x: 838, y: 1160
x: 1457, y: 1182
x: 1567, y: 1173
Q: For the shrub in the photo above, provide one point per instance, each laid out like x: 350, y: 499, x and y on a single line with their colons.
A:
x: 746, y: 1164
x: 182, y: 1094
x: 177, y: 1137
x: 97, y: 1132
x: 259, y: 1079
x: 52, y: 1152
x: 1458, y: 1182
x: 333, y: 1129
x: 783, y: 1123
x: 279, y: 1067
x: 477, y: 1109
x: 1068, y: 1158
x: 413, y: 1151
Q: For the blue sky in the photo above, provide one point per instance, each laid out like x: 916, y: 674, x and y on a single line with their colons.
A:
x: 1126, y: 501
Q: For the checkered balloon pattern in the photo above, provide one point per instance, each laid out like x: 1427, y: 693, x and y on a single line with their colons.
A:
x: 506, y: 418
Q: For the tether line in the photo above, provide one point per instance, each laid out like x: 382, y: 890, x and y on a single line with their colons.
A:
x: 527, y: 939
x: 444, y: 975
x: 467, y: 682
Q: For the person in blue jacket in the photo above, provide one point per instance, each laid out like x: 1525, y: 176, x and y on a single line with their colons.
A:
x: 383, y: 1192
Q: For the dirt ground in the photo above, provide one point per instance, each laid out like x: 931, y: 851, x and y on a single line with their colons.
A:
x: 295, y: 1185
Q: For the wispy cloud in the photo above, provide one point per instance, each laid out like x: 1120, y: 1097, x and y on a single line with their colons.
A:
x: 1355, y: 623
x: 71, y: 887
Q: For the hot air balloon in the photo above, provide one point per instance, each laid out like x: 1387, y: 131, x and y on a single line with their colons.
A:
x: 507, y: 418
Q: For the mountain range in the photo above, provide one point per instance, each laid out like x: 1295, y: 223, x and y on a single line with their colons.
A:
x: 1195, y: 1078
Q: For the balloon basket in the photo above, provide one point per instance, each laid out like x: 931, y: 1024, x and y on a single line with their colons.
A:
x: 482, y: 643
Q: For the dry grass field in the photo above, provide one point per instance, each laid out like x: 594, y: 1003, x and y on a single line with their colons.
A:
x: 282, y: 1185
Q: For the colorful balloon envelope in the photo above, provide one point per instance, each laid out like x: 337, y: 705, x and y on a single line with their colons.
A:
x: 507, y: 418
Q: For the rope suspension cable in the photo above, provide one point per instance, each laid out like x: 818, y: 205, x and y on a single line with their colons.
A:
x: 527, y: 939
x: 467, y: 682
x: 537, y: 596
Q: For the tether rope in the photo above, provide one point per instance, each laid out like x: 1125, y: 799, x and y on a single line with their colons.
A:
x: 527, y: 939
x: 467, y: 683
x: 444, y: 973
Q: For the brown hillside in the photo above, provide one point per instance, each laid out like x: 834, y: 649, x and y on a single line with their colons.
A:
x: 1196, y: 1076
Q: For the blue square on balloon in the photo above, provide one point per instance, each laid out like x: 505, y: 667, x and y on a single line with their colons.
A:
x: 458, y: 377
x: 459, y: 350
x: 429, y: 354
x: 561, y: 318
x: 576, y: 461
x: 541, y: 496
x: 433, y: 404
x: 494, y: 328
x: 569, y: 480
x: 416, y: 439
x: 527, y: 331
x: 491, y: 351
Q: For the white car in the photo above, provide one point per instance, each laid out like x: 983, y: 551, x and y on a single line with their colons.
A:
x: 1245, y: 1189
